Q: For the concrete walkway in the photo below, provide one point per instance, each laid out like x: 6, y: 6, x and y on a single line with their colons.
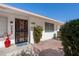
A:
x: 4, y: 51
x: 45, y: 48
x: 50, y: 48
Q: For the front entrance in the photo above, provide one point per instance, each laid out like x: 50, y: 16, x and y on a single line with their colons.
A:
x: 21, y: 31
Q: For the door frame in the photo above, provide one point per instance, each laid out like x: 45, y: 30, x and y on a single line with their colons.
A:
x: 27, y: 30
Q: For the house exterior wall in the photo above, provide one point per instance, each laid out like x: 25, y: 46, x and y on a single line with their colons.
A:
x: 3, y: 22
x: 8, y: 29
x: 38, y: 22
x: 10, y: 18
x: 41, y: 22
x: 3, y: 28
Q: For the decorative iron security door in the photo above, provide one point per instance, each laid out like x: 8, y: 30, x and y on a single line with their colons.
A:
x: 21, y: 31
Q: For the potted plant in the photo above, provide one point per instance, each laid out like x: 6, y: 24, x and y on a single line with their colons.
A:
x: 7, y: 41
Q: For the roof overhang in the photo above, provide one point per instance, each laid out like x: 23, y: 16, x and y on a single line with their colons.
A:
x: 3, y: 6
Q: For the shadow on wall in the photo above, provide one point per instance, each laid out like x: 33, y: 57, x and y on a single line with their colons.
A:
x: 51, y: 52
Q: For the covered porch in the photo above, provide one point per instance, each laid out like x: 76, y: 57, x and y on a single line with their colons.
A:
x: 16, y: 28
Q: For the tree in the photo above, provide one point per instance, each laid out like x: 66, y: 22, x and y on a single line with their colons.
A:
x: 70, y: 37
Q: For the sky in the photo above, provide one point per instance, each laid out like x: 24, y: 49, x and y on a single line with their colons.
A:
x: 60, y: 11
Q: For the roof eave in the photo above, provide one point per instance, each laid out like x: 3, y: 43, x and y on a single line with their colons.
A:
x: 30, y: 13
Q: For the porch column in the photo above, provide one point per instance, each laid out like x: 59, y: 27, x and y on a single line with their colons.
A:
x: 11, y: 21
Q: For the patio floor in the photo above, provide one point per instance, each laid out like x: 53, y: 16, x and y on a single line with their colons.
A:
x: 46, y: 48
x: 5, y: 51
x: 50, y: 48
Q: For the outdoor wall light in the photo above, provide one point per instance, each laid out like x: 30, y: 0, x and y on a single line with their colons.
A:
x: 11, y: 24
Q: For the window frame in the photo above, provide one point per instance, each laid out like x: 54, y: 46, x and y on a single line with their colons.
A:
x: 49, y: 27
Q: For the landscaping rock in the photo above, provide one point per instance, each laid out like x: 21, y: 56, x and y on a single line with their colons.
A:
x: 28, y: 51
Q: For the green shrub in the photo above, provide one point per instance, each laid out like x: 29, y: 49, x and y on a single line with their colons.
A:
x: 54, y: 36
x: 70, y: 37
x: 37, y: 34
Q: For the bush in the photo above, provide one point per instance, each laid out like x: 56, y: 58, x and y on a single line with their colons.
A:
x: 37, y: 34
x: 70, y: 37
x: 54, y: 36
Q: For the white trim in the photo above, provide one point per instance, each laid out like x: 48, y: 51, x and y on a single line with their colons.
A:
x: 30, y: 13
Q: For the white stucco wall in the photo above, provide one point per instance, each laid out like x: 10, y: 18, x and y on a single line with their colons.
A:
x: 38, y: 22
x: 41, y: 22
x: 12, y: 37
x: 3, y: 29
x: 3, y: 25
x: 12, y: 18
x: 5, y: 19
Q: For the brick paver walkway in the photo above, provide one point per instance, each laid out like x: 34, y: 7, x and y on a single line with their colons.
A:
x: 50, y: 48
x: 45, y: 48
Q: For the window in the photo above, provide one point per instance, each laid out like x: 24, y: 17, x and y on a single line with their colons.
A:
x: 3, y: 25
x: 49, y: 27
